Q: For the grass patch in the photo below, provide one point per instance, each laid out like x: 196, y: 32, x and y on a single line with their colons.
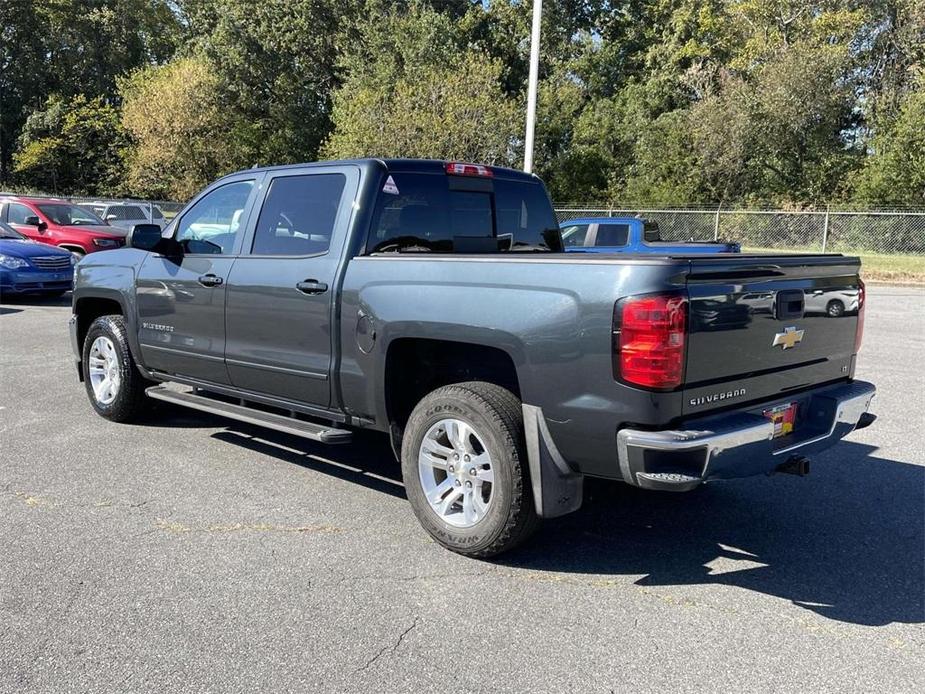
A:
x: 875, y: 267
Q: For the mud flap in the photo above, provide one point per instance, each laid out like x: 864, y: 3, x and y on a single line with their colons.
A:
x: 557, y: 489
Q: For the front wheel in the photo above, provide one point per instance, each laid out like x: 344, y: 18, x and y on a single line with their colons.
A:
x: 465, y: 469
x: 835, y: 308
x: 115, y: 387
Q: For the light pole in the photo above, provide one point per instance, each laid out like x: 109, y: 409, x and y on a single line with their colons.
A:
x: 531, y: 85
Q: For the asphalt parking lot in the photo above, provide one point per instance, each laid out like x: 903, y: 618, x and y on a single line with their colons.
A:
x: 190, y: 553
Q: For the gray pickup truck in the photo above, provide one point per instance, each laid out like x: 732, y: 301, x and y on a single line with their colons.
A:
x: 433, y: 302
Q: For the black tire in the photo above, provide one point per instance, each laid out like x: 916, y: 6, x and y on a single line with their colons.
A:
x: 835, y: 308
x: 130, y: 400
x: 496, y: 415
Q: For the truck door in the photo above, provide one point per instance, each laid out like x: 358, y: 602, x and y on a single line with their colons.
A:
x: 281, y: 291
x: 181, y: 299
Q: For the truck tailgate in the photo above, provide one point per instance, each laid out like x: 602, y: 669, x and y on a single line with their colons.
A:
x: 761, y: 326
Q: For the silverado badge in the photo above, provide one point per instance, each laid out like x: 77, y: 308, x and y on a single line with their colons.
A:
x: 788, y: 339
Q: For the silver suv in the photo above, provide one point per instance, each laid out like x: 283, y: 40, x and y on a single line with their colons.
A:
x: 125, y: 215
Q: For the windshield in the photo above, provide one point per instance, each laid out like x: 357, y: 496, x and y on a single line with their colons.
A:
x: 455, y: 214
x: 8, y: 232
x: 62, y: 213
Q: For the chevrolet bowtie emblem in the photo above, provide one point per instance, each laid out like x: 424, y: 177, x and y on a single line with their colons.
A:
x: 789, y: 338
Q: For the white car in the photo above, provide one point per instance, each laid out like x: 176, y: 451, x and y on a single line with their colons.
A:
x: 833, y: 303
x: 125, y: 215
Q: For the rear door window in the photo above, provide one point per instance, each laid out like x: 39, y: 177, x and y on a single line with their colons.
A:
x: 133, y: 212
x: 298, y: 215
x: 17, y: 214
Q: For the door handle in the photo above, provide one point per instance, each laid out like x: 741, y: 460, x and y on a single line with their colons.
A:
x: 312, y: 287
x: 210, y: 280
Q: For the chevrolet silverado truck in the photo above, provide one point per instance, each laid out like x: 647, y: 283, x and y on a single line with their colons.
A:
x: 433, y: 302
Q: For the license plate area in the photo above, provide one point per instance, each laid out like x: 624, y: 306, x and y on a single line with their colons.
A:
x: 784, y: 418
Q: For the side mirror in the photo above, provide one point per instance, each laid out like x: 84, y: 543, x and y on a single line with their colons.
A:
x: 145, y: 237
x: 31, y: 220
x: 110, y: 217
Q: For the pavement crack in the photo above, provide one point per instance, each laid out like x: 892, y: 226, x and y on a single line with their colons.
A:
x: 387, y: 648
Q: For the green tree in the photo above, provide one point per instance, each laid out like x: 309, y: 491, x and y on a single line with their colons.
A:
x: 23, y: 73
x: 276, y: 65
x: 92, y: 42
x: 412, y: 91
x: 894, y: 172
x: 72, y: 47
x: 72, y: 146
x: 180, y: 130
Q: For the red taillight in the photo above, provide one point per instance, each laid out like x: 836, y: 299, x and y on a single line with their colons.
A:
x: 862, y: 296
x: 460, y: 169
x: 649, y: 339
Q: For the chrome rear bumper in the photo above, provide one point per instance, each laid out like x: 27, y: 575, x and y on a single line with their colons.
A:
x: 741, y: 443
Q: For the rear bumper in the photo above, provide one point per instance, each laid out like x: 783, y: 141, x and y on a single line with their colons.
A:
x: 741, y: 443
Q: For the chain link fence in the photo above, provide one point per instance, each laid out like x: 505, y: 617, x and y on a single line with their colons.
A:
x: 833, y: 231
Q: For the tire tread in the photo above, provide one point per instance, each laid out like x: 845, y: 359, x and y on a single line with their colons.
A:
x: 503, y: 410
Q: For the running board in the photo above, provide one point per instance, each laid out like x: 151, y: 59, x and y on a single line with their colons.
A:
x: 278, y: 422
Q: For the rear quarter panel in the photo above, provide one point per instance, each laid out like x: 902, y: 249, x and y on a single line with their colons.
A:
x: 552, y: 315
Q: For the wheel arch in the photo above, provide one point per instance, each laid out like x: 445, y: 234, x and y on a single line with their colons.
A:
x: 416, y: 366
x: 72, y: 246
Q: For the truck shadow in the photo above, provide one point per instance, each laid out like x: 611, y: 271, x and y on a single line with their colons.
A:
x: 847, y: 543
x: 367, y: 460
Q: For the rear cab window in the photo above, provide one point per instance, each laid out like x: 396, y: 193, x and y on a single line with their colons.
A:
x: 434, y: 212
x: 612, y: 235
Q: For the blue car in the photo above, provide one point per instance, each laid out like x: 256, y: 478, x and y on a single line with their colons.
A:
x: 27, y: 267
x: 630, y: 235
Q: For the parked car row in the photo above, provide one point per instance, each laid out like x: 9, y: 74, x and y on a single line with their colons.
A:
x: 41, y: 239
x: 89, y: 227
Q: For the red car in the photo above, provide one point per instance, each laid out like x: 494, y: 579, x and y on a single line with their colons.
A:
x: 60, y: 223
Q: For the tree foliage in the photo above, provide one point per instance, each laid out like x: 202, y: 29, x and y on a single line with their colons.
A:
x: 73, y: 146
x: 422, y: 98
x: 179, y: 129
x: 657, y: 101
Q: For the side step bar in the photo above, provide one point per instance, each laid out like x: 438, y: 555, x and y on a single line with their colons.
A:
x: 288, y: 425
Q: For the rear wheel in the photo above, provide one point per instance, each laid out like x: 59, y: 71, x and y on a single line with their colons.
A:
x: 115, y: 387
x: 465, y: 469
